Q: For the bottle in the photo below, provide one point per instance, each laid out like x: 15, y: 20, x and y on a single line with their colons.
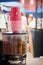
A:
x: 24, y: 22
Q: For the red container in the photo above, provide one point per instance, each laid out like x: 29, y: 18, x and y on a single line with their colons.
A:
x: 16, y: 26
x: 15, y: 14
x: 15, y: 18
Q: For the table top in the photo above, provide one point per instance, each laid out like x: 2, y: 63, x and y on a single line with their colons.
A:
x: 11, y: 33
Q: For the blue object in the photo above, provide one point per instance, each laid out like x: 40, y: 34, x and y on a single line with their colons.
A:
x: 17, y: 4
x: 8, y: 0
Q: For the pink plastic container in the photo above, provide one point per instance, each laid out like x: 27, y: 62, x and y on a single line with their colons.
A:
x: 15, y: 18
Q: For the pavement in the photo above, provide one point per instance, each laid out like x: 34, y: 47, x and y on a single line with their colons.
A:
x: 33, y: 61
